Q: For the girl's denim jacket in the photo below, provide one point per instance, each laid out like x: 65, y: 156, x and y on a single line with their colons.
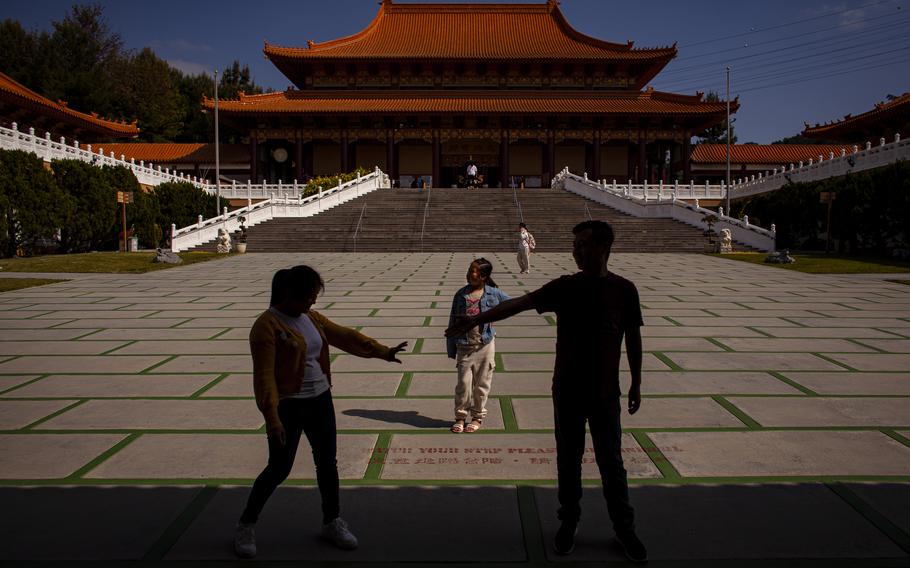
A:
x: 492, y: 296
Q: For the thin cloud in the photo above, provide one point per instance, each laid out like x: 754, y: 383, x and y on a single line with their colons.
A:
x: 189, y: 67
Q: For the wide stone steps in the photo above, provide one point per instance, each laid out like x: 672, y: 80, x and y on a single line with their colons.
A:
x: 462, y: 220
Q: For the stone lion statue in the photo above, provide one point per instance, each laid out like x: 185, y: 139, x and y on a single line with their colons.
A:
x: 223, y: 244
x: 726, y: 240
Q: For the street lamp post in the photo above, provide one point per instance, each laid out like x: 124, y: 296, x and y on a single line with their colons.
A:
x: 217, y: 154
x: 727, y: 191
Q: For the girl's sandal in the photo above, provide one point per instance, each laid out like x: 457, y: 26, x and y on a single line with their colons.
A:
x: 473, y: 426
x: 458, y: 427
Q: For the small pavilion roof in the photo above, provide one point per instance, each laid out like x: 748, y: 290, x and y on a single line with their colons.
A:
x: 177, y: 153
x: 899, y: 107
x: 648, y: 102
x: 15, y: 94
x: 770, y: 154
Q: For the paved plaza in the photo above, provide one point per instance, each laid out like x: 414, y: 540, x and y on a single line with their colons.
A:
x: 775, y: 424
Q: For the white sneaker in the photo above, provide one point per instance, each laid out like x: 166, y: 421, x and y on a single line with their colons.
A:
x: 338, y: 533
x: 245, y: 541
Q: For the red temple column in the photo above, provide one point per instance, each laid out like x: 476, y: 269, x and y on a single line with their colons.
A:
x: 642, y: 173
x: 595, y: 162
x: 344, y: 150
x: 254, y: 158
x: 298, y: 159
x: 687, y: 164
x: 437, y: 158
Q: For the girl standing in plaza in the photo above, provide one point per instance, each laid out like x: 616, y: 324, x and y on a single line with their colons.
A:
x: 526, y: 244
x: 292, y: 382
x: 474, y: 352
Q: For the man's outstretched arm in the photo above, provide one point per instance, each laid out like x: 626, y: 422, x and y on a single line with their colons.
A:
x: 502, y: 311
x: 633, y: 352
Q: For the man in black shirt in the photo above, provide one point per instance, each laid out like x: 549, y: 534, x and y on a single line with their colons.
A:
x: 594, y: 310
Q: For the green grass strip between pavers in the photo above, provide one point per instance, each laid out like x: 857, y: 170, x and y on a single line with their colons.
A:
x: 179, y: 526
x: 53, y: 415
x: 210, y: 385
x: 792, y: 383
x: 895, y: 436
x: 510, y: 423
x: 404, y: 384
x: 667, y: 361
x: 880, y: 521
x: 735, y: 411
x: 377, y: 458
x: 660, y: 461
x: 98, y: 460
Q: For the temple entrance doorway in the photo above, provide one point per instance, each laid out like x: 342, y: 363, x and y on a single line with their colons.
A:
x: 457, y: 154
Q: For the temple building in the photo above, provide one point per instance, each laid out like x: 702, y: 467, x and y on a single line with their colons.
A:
x: 28, y: 109
x: 883, y: 121
x: 425, y: 89
x: 709, y: 161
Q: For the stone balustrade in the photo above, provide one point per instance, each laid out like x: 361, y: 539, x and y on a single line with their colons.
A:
x: 664, y: 205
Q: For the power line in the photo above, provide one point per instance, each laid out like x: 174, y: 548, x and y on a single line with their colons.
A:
x: 787, y: 24
x: 825, y: 76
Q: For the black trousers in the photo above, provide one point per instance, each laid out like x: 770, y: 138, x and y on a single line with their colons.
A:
x: 314, y: 417
x: 571, y: 412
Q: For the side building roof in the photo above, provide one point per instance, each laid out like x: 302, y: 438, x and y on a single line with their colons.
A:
x: 767, y: 154
x: 178, y: 153
x: 885, y: 116
x: 16, y: 95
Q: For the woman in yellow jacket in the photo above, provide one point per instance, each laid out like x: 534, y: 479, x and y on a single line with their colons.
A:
x: 292, y: 382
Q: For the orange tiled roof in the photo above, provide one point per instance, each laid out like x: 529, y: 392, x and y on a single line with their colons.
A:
x: 16, y: 94
x: 470, y: 31
x: 881, y: 111
x: 177, y: 153
x: 517, y: 102
x: 771, y: 154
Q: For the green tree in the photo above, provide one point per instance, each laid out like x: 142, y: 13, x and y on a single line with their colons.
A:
x: 32, y: 206
x: 717, y: 134
x: 181, y: 203
x: 94, y: 211
x: 18, y: 53
x: 142, y: 87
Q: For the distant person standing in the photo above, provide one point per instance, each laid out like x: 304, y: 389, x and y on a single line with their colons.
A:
x: 595, y: 310
x: 526, y: 244
x: 472, y: 175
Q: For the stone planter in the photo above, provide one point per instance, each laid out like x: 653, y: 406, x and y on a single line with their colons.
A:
x: 240, y: 248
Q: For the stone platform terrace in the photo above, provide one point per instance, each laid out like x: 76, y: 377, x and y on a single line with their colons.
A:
x: 775, y: 428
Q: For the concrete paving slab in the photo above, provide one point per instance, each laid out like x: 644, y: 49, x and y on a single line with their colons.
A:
x: 889, y: 345
x: 388, y: 334
x: 709, y: 382
x: 106, y: 386
x: 44, y: 334
x: 405, y: 414
x: 50, y: 456
x: 852, y: 322
x: 521, y: 383
x: 152, y: 334
x: 781, y: 453
x: 80, y: 364
x: 826, y: 332
x: 124, y: 524
x: 724, y: 521
x: 8, y: 324
x: 223, y: 456
x: 495, y: 456
x: 158, y: 415
x: 794, y: 345
x: 346, y: 363
x: 289, y: 525
x: 15, y: 414
x: 106, y: 323
x: 853, y: 383
x: 871, y: 362
x: 206, y: 313
x: 818, y: 411
x: 755, y: 321
x: 109, y: 314
x: 245, y: 323
x: 199, y: 347
x: 697, y: 331
x: 9, y: 382
x: 752, y: 362
x: 206, y: 364
x: 537, y: 413
x: 377, y: 321
x: 57, y: 347
x: 544, y: 362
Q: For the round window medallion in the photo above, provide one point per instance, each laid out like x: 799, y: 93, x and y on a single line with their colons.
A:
x: 280, y: 155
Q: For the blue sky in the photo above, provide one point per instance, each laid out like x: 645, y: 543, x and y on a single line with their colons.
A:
x: 793, y: 61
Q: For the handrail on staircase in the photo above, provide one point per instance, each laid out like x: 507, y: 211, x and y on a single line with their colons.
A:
x: 426, y: 210
x: 588, y: 212
x: 521, y: 217
x: 359, y: 225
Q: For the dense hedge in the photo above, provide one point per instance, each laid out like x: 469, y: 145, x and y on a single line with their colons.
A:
x: 329, y: 182
x: 870, y: 215
x: 73, y: 207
